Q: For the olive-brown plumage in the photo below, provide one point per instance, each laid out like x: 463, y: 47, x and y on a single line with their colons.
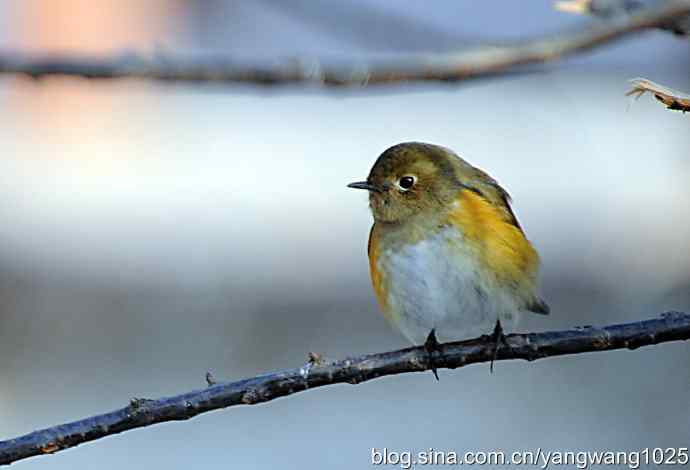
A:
x: 446, y: 251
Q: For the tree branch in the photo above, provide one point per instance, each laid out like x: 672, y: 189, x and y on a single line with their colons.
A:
x: 672, y: 326
x: 673, y: 99
x: 474, y: 63
x: 608, y: 9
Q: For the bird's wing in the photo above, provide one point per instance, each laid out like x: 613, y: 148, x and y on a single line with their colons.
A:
x: 489, y: 189
x: 514, y: 257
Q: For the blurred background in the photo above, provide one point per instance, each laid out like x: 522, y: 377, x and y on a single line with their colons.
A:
x: 153, y: 232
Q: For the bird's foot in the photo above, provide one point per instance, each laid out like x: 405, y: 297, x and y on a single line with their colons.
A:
x: 498, y: 338
x: 431, y: 345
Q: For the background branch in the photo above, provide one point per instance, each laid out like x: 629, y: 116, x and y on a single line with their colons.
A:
x: 672, y: 326
x: 673, y: 99
x: 609, y: 9
x: 474, y: 63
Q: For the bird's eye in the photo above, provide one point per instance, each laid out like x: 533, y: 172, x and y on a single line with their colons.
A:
x: 406, y: 182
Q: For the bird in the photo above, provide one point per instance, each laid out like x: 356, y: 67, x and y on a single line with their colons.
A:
x: 448, y: 258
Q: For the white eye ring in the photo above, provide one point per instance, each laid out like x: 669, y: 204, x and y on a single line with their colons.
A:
x: 406, y: 182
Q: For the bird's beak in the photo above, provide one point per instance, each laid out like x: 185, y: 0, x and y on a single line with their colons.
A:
x: 364, y: 185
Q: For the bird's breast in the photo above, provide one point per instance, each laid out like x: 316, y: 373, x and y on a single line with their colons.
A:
x: 429, y: 273
x: 436, y: 282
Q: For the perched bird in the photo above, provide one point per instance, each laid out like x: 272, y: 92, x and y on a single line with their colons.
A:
x: 447, y: 256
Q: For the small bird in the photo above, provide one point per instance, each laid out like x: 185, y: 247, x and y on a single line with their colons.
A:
x: 447, y: 255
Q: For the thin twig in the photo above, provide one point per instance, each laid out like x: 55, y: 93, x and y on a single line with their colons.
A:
x: 462, y: 65
x: 673, y: 99
x: 672, y: 326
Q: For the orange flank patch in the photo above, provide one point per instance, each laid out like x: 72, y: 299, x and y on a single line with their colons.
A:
x: 501, y: 245
x: 377, y: 276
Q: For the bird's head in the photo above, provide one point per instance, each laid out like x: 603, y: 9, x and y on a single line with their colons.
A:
x: 410, y: 179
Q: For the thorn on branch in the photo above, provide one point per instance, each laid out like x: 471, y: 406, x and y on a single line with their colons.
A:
x: 210, y: 379
x: 138, y: 405
x: 314, y: 359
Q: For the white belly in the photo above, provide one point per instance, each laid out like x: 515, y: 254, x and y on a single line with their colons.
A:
x: 438, y: 283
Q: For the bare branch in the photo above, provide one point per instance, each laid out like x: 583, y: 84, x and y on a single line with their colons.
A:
x: 608, y: 9
x: 318, y: 372
x: 673, y: 99
x: 470, y: 64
